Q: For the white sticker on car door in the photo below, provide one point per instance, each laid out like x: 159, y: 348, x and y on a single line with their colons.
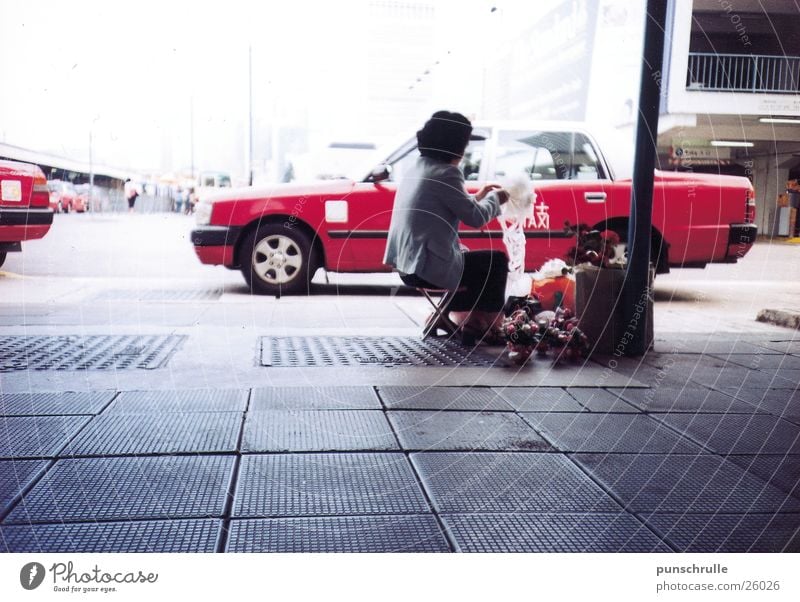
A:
x: 336, y: 212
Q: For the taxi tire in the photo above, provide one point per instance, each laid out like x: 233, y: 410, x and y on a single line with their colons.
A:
x: 301, y: 282
x: 3, y: 255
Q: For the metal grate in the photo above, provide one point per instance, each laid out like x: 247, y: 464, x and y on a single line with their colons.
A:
x: 159, y: 295
x: 93, y: 352
x: 364, y: 351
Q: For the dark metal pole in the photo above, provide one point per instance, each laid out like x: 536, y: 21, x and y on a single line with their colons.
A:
x: 637, y: 279
x: 250, y: 115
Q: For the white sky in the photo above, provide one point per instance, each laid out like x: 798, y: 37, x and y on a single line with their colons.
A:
x: 127, y: 71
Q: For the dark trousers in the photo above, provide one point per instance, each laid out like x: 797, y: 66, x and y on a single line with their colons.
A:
x: 483, y: 282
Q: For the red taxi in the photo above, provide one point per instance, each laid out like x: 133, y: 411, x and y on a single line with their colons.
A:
x: 278, y: 236
x: 24, y: 205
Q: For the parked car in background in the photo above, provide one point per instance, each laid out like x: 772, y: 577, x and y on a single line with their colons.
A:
x: 89, y: 197
x: 278, y: 236
x: 63, y: 196
x: 24, y: 205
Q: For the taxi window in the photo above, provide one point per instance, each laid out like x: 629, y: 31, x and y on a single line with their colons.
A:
x: 546, y: 156
x: 470, y: 164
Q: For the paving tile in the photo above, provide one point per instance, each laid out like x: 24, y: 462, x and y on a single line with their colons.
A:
x: 737, y: 433
x: 778, y: 402
x: 540, y: 399
x: 197, y: 535
x: 786, y: 346
x: 496, y: 431
x: 508, y: 482
x: 124, y: 434
x: 15, y: 475
x: 338, y: 534
x: 314, y: 398
x: 37, y: 436
x: 742, y: 377
x: 327, y: 484
x: 88, y: 489
x: 192, y: 400
x: 675, y: 483
x: 709, y: 345
x: 443, y: 398
x: 490, y: 533
x: 312, y: 430
x: 781, y: 471
x: 53, y: 404
x: 600, y: 400
x: 764, y: 361
x: 693, y: 400
x: 621, y: 433
x: 718, y: 532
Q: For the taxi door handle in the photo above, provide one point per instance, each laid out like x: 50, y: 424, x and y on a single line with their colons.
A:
x: 594, y: 197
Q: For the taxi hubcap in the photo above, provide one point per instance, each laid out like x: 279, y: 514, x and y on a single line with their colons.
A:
x: 277, y: 259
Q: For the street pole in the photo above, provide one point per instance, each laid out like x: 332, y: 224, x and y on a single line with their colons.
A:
x: 636, y: 291
x: 250, y: 115
x: 191, y: 134
x: 91, y: 172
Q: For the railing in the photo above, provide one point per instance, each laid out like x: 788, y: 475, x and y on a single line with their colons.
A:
x: 743, y: 73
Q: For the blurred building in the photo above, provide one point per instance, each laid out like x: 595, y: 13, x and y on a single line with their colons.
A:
x: 730, y: 81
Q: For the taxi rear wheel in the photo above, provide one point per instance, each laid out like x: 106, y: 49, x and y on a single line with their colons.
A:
x: 2, y: 258
x: 276, y: 260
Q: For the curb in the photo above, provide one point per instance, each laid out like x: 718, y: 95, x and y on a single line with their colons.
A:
x: 780, y: 317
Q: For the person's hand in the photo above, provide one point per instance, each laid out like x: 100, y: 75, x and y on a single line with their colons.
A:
x: 486, y: 189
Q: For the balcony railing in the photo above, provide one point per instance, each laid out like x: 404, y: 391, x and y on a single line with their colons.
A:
x: 743, y: 73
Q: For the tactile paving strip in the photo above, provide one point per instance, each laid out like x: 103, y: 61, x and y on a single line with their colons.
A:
x: 91, y: 352
x: 137, y: 295
x: 193, y: 400
x: 540, y: 399
x: 138, y: 536
x: 327, y: 484
x: 737, y: 433
x: 314, y: 398
x: 651, y: 483
x: 338, y: 534
x: 369, y: 351
x: 37, y: 436
x: 781, y: 471
x: 14, y: 475
x: 53, y: 404
x: 123, y: 434
x: 508, y: 482
x: 600, y: 400
x: 87, y: 489
x: 465, y: 431
x: 689, y: 400
x: 620, y: 433
x: 317, y: 430
x: 491, y: 533
x: 443, y: 398
x: 729, y: 532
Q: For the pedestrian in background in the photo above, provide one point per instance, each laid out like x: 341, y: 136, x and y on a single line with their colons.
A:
x: 131, y: 193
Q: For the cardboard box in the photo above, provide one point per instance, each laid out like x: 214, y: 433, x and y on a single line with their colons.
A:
x: 783, y: 200
x: 600, y: 307
x: 792, y: 222
x: 793, y: 185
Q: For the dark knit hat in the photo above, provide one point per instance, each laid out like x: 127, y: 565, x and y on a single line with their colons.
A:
x: 444, y: 136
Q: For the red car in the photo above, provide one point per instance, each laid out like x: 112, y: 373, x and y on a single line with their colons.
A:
x: 279, y: 236
x: 24, y: 205
x: 63, y: 197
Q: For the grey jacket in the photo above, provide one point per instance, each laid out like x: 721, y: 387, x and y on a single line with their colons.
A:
x: 423, y: 237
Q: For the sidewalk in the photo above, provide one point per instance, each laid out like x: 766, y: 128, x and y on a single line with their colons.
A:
x: 694, y: 448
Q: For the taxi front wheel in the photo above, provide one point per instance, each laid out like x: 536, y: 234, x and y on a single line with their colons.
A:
x: 276, y: 260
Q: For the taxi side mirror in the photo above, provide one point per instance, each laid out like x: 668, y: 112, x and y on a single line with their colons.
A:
x: 380, y: 173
